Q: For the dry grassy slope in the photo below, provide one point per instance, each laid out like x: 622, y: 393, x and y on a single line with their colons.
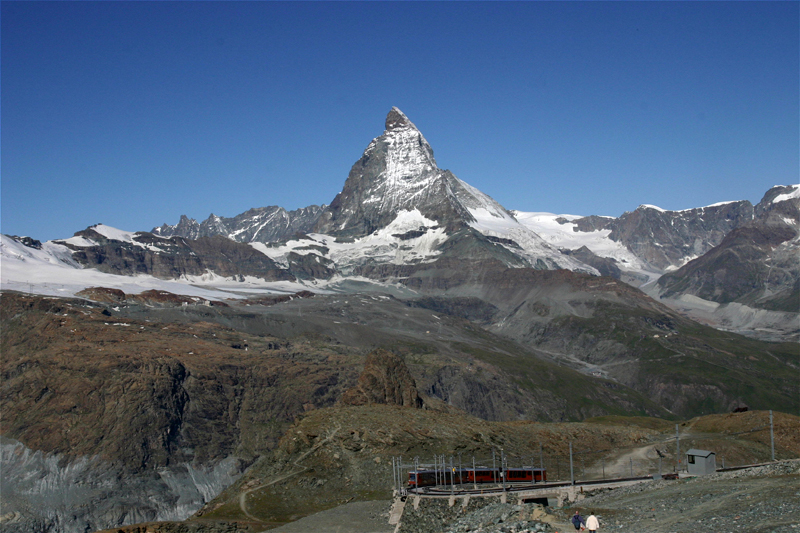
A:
x: 79, y: 382
x: 345, y: 453
x: 731, y: 437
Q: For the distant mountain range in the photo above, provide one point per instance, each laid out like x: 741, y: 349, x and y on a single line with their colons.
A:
x: 398, y: 210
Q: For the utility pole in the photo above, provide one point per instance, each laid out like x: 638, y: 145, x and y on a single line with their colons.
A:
x: 771, y: 436
x: 494, y: 467
x: 533, y: 473
x: 503, y: 468
x: 571, y: 471
x: 677, y: 449
x: 541, y: 460
x: 452, y: 476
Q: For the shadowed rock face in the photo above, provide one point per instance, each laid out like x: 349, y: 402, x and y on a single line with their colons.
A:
x: 385, y: 380
x: 604, y: 265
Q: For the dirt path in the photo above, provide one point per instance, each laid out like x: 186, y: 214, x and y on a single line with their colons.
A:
x: 643, y: 460
x: 637, y: 460
x: 301, y: 469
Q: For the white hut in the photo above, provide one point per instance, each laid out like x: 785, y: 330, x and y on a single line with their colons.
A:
x: 701, y: 462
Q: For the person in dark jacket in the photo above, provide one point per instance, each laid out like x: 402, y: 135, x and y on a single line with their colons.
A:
x: 578, y: 521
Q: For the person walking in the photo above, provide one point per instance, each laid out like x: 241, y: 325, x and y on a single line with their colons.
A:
x: 592, y: 523
x: 578, y: 521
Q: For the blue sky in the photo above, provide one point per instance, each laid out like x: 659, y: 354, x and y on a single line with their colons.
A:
x: 133, y: 113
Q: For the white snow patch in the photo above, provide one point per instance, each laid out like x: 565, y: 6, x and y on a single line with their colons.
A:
x: 382, y: 245
x: 565, y: 235
x: 718, y: 204
x: 500, y: 223
x: 114, y: 234
x: 795, y: 193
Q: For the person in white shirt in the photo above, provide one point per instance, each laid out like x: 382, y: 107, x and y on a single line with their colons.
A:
x: 592, y: 524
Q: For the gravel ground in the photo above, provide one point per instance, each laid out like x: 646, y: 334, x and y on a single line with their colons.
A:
x: 758, y: 500
x: 356, y: 517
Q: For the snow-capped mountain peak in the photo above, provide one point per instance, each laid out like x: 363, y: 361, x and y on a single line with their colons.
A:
x: 397, y: 173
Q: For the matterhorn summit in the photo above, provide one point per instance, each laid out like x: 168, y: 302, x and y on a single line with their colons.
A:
x: 396, y: 173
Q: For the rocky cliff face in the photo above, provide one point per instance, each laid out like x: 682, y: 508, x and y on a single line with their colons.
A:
x: 385, y: 380
x: 605, y: 328
x: 755, y: 264
x: 58, y: 492
x: 262, y: 224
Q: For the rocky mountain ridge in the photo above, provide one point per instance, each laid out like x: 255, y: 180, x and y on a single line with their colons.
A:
x: 261, y: 224
x: 754, y: 264
x: 667, y: 239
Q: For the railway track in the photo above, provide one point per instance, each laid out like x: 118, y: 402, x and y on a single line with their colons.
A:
x: 442, y: 491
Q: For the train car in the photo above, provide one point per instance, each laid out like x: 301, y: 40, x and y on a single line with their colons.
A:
x: 523, y: 475
x: 422, y: 478
x: 429, y: 478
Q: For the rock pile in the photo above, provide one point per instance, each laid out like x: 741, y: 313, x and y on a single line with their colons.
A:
x: 503, y: 518
x: 480, y: 515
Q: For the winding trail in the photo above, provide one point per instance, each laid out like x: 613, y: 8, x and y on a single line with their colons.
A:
x: 301, y: 469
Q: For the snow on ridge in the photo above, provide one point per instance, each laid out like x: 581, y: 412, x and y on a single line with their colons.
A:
x: 795, y: 193
x: 381, y: 245
x: 51, y: 271
x: 534, y: 246
x: 477, y: 199
x: 718, y: 204
x: 648, y: 206
x: 114, y: 234
x: 81, y: 242
x: 563, y: 235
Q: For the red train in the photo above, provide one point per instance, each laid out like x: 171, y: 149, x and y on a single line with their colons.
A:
x: 429, y: 478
